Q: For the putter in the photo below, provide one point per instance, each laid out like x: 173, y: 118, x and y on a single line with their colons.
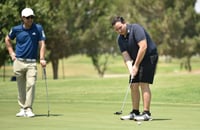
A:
x: 125, y: 97
x: 47, y: 95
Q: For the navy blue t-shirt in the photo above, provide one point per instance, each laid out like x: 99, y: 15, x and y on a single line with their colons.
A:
x: 135, y: 34
x: 27, y: 40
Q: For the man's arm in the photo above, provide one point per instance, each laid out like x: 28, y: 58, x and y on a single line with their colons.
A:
x: 140, y: 55
x: 128, y: 61
x: 10, y: 48
x: 42, y: 53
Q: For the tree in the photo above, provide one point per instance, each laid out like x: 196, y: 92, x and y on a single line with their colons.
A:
x: 180, y: 26
x: 88, y: 30
x: 9, y: 17
x: 47, y: 15
x: 173, y: 24
x: 83, y: 27
x: 57, y: 40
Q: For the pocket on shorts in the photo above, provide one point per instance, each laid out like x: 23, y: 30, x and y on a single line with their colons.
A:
x: 32, y: 70
x: 17, y: 67
x: 154, y: 59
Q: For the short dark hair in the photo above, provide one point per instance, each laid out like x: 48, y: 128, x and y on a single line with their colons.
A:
x: 117, y: 19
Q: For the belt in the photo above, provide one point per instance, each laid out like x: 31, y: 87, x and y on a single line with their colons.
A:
x: 26, y: 60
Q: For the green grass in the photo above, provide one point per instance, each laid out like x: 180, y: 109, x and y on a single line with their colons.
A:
x: 87, y: 102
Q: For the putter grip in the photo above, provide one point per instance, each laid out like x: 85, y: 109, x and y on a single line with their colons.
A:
x: 131, y: 79
x: 44, y: 70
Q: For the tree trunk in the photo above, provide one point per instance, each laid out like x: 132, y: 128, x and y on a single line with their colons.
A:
x: 189, y: 64
x: 100, y: 67
x: 186, y: 63
x: 55, y: 64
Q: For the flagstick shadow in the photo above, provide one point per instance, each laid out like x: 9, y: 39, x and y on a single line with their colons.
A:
x: 43, y: 115
x: 161, y: 119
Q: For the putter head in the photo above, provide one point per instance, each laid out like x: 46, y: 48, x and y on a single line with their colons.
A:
x: 118, y: 113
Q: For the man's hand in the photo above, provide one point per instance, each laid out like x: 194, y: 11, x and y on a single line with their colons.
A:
x: 43, y: 63
x: 134, y: 70
x: 13, y: 56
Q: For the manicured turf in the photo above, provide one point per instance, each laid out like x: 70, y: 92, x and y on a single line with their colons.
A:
x: 89, y: 104
x: 83, y: 101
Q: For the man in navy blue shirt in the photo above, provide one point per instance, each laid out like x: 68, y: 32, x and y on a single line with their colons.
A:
x: 29, y: 36
x: 140, y: 56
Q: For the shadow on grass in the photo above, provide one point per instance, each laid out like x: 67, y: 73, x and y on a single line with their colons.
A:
x: 161, y: 119
x: 43, y: 115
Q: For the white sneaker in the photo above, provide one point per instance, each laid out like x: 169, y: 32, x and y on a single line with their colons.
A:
x: 143, y: 117
x: 131, y: 116
x: 29, y: 113
x: 21, y: 113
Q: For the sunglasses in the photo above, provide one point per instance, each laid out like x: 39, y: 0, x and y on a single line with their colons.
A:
x: 30, y: 17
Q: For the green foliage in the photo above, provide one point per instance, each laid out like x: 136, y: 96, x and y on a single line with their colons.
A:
x: 89, y: 19
x: 9, y: 17
x: 83, y: 26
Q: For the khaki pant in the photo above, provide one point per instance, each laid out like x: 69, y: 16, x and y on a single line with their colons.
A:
x: 26, y: 73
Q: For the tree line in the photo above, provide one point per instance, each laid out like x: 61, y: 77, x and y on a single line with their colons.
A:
x: 83, y: 27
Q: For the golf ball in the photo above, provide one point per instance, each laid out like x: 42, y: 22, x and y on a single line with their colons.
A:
x: 139, y: 123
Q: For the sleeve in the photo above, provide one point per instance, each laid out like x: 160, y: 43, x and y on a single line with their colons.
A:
x: 122, y: 46
x: 139, y: 33
x: 41, y: 32
x: 12, y: 34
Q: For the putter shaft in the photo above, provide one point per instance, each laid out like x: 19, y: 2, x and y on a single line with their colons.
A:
x: 47, y: 95
x: 125, y: 97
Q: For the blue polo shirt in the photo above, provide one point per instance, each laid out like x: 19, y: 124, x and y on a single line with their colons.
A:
x: 135, y: 34
x: 27, y: 40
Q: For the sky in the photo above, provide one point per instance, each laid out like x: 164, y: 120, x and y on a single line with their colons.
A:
x: 197, y: 6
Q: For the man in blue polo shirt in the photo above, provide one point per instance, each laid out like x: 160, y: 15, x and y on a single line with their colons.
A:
x: 29, y: 36
x: 140, y: 56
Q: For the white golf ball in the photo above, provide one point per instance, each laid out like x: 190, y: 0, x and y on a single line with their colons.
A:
x: 139, y: 123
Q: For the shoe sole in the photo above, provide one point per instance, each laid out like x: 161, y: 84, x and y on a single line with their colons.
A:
x: 144, y: 120
x: 21, y: 116
x: 127, y: 119
x: 29, y: 116
x: 24, y: 116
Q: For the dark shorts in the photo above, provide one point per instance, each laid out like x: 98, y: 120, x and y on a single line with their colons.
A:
x: 146, y: 70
